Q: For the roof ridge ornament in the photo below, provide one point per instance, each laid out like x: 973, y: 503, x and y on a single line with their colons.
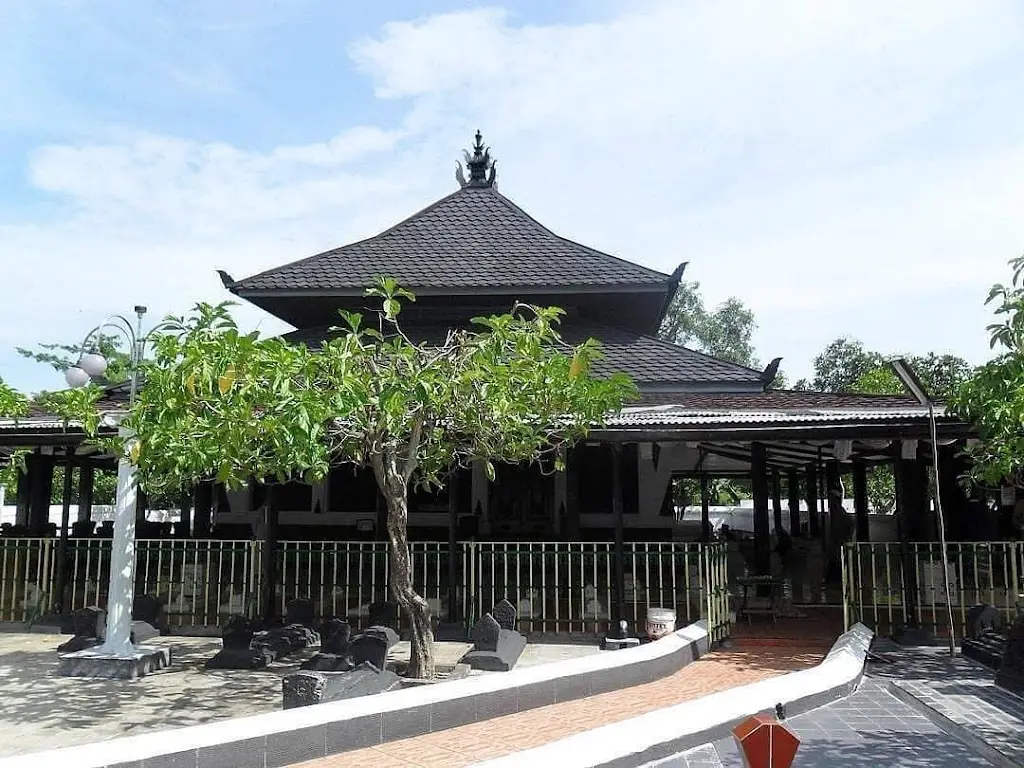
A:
x: 482, y: 169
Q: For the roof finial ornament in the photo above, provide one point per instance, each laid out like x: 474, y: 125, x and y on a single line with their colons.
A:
x: 482, y: 170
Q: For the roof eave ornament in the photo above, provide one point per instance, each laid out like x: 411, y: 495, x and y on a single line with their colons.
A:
x: 482, y: 169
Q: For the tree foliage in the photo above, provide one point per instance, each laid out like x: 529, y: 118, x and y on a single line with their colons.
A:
x: 992, y: 399
x: 63, y: 356
x: 220, y: 401
x: 13, y: 404
x: 845, y: 365
x: 725, y: 332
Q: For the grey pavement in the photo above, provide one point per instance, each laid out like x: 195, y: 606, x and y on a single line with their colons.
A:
x: 869, y: 729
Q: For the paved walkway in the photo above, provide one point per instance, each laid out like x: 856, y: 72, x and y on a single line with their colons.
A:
x: 473, y: 743
x: 869, y: 729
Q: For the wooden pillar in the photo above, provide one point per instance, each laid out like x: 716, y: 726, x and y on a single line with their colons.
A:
x: 705, y: 507
x: 41, y: 474
x: 793, y: 487
x: 955, y: 502
x: 268, y: 588
x: 777, y: 501
x: 86, y: 484
x: 141, y: 506
x: 481, y: 498
x: 561, y: 492
x: 203, y: 515
x: 454, y: 609
x: 619, y: 563
x: 759, y: 485
x: 23, y: 497
x: 860, y: 500
x: 813, y: 528
x: 63, y: 570
x: 183, y: 529
x: 571, y: 529
x: 909, y: 524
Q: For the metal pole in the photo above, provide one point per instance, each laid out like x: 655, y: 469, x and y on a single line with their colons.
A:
x: 942, y: 526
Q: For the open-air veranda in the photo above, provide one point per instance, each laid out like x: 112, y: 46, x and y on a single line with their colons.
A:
x: 571, y: 581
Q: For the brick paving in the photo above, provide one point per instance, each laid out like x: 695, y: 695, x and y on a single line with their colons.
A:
x: 473, y: 743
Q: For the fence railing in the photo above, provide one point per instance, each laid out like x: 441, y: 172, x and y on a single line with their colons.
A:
x: 558, y: 587
x: 875, y: 575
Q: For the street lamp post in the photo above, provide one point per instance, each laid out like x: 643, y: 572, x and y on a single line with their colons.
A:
x: 109, y: 659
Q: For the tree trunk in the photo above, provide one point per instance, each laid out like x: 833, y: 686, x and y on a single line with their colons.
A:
x: 421, y: 640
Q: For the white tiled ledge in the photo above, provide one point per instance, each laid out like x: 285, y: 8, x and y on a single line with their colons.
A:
x: 616, y: 743
x: 687, y: 642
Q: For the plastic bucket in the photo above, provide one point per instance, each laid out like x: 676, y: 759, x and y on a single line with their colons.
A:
x: 660, y: 622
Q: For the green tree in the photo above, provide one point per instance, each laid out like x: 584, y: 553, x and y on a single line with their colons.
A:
x: 724, y: 332
x: 841, y: 364
x: 243, y: 407
x: 62, y: 356
x: 13, y: 404
x: 992, y: 399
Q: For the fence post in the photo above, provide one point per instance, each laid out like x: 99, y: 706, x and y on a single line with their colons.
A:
x: 846, y: 586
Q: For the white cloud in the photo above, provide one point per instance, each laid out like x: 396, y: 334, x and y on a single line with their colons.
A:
x: 846, y: 161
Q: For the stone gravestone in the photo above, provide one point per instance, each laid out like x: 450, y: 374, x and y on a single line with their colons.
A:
x: 985, y: 640
x: 486, y: 633
x: 299, y: 611
x: 383, y: 614
x: 983, y: 617
x: 237, y: 632
x: 1011, y: 672
x: 505, y: 614
x: 618, y: 638
x: 147, y: 618
x: 87, y: 625
x: 369, y: 648
x: 494, y: 649
x: 301, y: 689
x: 334, y: 655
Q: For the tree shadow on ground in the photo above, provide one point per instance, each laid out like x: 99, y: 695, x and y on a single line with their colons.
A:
x: 51, y: 711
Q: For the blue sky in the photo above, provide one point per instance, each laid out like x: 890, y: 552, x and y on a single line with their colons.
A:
x: 845, y: 168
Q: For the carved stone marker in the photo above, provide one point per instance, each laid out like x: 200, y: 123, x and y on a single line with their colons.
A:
x: 984, y: 641
x: 618, y: 638
x: 237, y: 632
x: 301, y: 689
x: 983, y: 617
x: 486, y: 633
x: 505, y: 614
x: 335, y: 636
x: 371, y: 648
x: 87, y: 625
x: 150, y: 610
x: 300, y: 611
x: 1011, y: 671
x: 383, y: 614
x: 494, y: 649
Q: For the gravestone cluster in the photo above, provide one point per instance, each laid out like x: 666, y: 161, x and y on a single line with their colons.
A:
x: 246, y: 646
x: 88, y: 625
x: 497, y: 645
x: 348, y: 665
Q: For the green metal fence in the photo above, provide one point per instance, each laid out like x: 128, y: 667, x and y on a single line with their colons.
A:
x: 558, y: 587
x: 979, y: 572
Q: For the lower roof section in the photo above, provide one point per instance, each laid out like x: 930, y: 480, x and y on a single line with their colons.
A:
x: 648, y: 360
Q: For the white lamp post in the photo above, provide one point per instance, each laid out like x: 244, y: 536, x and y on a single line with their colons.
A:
x: 117, y: 656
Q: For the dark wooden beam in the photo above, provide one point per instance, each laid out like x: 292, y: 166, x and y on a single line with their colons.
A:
x: 269, y: 555
x: 454, y: 550
x: 203, y: 516
x: 63, y: 569
x: 705, y: 507
x: 759, y: 484
x: 23, y: 497
x: 777, y: 501
x: 906, y: 525
x: 813, y: 522
x: 860, y: 500
x: 619, y: 563
x: 86, y: 486
x: 913, y: 429
x: 793, y: 487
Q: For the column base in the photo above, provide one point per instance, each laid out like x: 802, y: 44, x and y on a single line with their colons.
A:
x: 97, y: 663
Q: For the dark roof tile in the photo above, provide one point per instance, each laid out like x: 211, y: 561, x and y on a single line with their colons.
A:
x: 648, y: 360
x: 473, y: 238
